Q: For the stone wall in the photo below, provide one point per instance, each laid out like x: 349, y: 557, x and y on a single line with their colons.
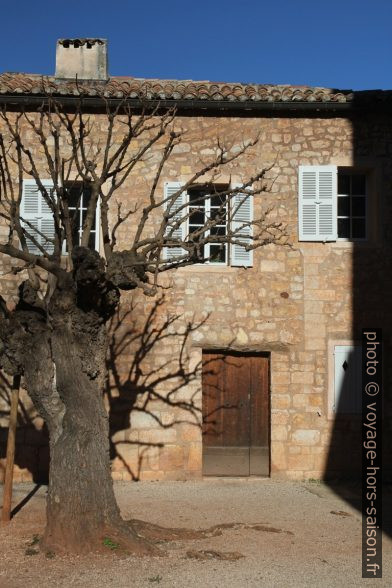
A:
x: 295, y: 302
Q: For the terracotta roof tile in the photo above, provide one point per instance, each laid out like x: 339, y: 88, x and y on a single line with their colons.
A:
x: 118, y: 87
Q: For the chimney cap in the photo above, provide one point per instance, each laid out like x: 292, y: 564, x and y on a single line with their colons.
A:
x: 82, y: 41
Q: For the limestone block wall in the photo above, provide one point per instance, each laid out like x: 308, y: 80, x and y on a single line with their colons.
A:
x: 296, y: 302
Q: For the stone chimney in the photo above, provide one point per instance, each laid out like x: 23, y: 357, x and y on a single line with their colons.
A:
x: 85, y: 59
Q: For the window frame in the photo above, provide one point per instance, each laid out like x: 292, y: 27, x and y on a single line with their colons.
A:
x: 243, y: 214
x: 206, y: 202
x: 350, y: 172
x: 80, y: 225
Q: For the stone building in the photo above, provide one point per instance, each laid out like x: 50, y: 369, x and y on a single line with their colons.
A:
x: 281, y: 328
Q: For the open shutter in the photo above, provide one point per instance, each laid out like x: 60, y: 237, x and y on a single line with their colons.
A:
x: 317, y: 199
x: 348, y: 397
x: 35, y: 209
x: 242, y: 207
x: 170, y: 188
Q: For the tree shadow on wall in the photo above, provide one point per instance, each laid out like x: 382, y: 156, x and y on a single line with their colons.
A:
x: 153, y: 398
x: 153, y: 392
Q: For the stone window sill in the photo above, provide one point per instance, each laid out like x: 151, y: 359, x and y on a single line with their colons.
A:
x: 209, y: 268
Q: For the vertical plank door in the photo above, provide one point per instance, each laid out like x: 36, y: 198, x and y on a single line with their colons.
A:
x: 235, y: 414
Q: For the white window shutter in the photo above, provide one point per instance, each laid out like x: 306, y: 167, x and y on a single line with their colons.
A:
x: 36, y: 211
x: 348, y: 398
x: 241, y: 205
x: 317, y: 203
x: 170, y: 188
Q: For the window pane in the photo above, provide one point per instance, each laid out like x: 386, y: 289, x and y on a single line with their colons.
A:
x: 75, y: 235
x: 74, y: 214
x: 201, y: 228
x: 196, y: 217
x: 358, y: 228
x: 217, y: 254
x: 344, y: 206
x: 344, y: 228
x: 218, y: 231
x: 196, y: 197
x: 193, y: 228
x: 91, y: 240
x: 219, y: 215
x: 358, y: 184
x: 343, y: 184
x: 358, y: 206
x: 74, y: 194
x: 217, y: 200
x: 86, y: 195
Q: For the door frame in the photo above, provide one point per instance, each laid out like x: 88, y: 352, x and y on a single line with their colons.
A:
x: 242, y: 353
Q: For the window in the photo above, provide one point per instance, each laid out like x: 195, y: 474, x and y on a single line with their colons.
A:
x: 347, y: 379
x: 202, y: 207
x: 331, y: 204
x: 201, y: 203
x: 79, y: 195
x: 351, y: 206
x: 37, y: 217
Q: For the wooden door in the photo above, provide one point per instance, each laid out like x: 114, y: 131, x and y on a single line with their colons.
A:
x: 235, y: 414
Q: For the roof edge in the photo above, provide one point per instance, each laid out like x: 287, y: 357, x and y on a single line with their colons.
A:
x: 186, y: 104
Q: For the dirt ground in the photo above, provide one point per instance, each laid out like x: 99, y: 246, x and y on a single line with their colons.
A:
x: 291, y: 534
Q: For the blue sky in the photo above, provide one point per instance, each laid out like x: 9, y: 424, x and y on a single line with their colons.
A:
x: 341, y: 44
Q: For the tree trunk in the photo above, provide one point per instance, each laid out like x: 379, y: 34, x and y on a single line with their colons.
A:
x: 82, y: 513
x: 60, y: 348
x: 81, y: 503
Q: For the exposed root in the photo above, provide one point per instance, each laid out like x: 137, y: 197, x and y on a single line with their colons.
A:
x: 268, y: 529
x: 341, y: 513
x: 140, y: 538
x: 206, y: 554
x: 157, y: 533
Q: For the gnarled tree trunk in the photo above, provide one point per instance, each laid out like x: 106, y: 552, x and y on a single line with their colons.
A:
x: 81, y: 507
x: 59, y: 346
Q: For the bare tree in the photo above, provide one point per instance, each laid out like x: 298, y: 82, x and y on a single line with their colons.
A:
x: 56, y: 336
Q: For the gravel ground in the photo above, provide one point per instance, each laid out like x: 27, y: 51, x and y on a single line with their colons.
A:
x: 298, y: 541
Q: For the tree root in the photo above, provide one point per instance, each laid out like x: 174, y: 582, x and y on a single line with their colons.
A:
x: 158, y: 534
x: 206, y: 554
x: 140, y: 538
